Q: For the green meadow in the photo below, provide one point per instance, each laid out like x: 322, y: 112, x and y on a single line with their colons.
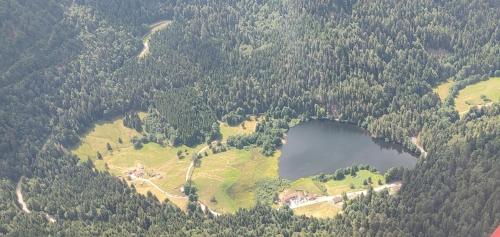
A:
x: 478, y: 94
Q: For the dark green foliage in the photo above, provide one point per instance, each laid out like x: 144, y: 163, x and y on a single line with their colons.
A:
x: 66, y: 64
x: 234, y: 118
x: 393, y: 174
x: 340, y: 174
x: 267, y: 191
x: 268, y: 135
x: 137, y: 142
x: 185, y: 112
x: 132, y: 120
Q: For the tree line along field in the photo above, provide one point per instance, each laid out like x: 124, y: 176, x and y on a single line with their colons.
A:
x: 479, y: 94
x: 226, y: 181
x: 319, y: 210
x: 335, y: 187
x: 159, y: 164
x: 443, y: 89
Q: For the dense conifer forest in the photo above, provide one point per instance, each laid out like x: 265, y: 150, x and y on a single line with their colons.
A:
x: 65, y: 65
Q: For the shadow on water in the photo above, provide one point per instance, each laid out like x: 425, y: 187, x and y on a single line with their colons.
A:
x: 389, y: 146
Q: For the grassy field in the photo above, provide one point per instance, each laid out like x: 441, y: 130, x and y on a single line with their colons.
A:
x: 246, y: 127
x: 334, y: 187
x: 319, y: 210
x: 443, y: 90
x: 231, y: 176
x: 160, y: 164
x: 479, y: 94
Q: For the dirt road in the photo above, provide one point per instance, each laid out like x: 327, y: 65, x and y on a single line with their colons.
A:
x: 157, y: 187
x: 24, y: 206
x: 20, y: 198
x: 153, y: 29
x: 203, y: 206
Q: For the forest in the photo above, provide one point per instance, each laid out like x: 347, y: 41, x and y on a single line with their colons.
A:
x: 65, y: 65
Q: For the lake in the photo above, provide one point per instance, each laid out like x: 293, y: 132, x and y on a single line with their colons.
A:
x: 322, y: 146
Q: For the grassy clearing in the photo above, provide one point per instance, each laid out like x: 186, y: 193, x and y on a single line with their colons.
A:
x: 335, y: 187
x: 160, y: 164
x: 102, y: 133
x: 319, y: 210
x: 443, y: 89
x: 231, y: 178
x: 246, y: 127
x: 479, y: 94
x: 308, y: 185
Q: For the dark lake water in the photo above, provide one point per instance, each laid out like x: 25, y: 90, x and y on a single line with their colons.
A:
x: 321, y: 146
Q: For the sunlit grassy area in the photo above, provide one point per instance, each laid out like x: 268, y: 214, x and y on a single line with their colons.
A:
x: 102, y: 133
x: 334, y: 187
x: 479, y: 94
x: 231, y: 176
x: 443, y: 89
x: 319, y: 210
x: 246, y: 127
x: 160, y: 164
x: 309, y: 185
x: 226, y: 181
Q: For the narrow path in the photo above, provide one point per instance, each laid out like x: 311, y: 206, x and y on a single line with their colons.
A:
x: 189, y: 171
x: 203, y: 206
x: 20, y: 198
x: 416, y: 142
x: 23, y: 204
x: 191, y: 166
x: 157, y: 187
x: 350, y: 195
x: 153, y: 29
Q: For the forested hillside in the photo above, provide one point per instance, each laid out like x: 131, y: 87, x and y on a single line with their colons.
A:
x: 67, y: 64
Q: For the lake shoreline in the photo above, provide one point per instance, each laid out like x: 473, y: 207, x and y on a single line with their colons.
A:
x: 370, y: 145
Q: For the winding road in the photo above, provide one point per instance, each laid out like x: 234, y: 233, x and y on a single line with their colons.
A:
x: 157, y: 187
x: 203, y: 206
x: 20, y: 198
x: 191, y: 166
x: 153, y: 29
x: 24, y: 206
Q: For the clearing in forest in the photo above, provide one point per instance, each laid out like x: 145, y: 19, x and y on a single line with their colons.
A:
x: 443, y: 89
x: 335, y: 187
x: 478, y: 94
x: 246, y: 127
x: 319, y: 210
x: 158, y: 164
x: 227, y: 181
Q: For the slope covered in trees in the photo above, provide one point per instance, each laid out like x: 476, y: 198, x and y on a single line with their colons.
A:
x: 67, y: 64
